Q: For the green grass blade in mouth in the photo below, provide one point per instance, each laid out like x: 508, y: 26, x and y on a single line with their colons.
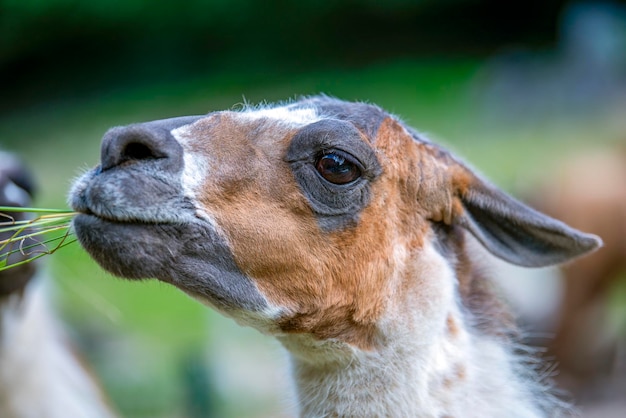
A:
x: 33, y: 210
x: 33, y: 238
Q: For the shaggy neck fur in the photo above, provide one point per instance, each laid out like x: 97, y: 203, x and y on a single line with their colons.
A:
x: 430, y: 363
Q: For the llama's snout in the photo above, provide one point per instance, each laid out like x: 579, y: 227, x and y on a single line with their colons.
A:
x: 145, y: 143
x: 139, y: 178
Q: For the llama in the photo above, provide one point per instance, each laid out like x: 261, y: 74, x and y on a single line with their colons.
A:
x: 341, y: 232
x: 39, y: 374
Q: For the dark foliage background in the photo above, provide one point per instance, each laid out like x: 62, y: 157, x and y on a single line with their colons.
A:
x: 87, y: 46
x: 516, y: 87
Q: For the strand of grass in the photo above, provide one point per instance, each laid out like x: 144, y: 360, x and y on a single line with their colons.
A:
x: 45, y: 223
x: 49, y: 222
x: 64, y: 214
x: 18, y: 236
x: 35, y: 234
x: 29, y: 260
x: 63, y: 238
x: 33, y: 223
x: 23, y: 249
x: 11, y: 239
x: 50, y: 215
x: 32, y: 210
x: 48, y: 250
x: 49, y: 246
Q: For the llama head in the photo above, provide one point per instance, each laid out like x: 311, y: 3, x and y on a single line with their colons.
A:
x: 318, y: 217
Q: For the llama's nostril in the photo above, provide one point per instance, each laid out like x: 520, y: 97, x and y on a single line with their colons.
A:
x: 139, y: 151
x: 139, y: 144
x: 144, y: 143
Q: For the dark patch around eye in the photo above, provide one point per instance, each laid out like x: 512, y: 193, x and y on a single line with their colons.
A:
x: 334, y: 167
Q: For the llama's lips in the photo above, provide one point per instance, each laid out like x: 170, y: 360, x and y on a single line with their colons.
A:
x: 123, y: 220
x: 108, y: 219
x: 86, y: 211
x: 171, y: 252
x: 131, y: 215
x: 130, y: 196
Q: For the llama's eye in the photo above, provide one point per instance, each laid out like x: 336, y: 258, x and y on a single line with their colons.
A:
x: 337, y: 169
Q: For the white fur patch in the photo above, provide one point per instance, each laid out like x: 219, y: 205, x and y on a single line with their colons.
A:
x: 284, y: 114
x: 196, y: 169
x: 422, y: 370
x: 196, y: 166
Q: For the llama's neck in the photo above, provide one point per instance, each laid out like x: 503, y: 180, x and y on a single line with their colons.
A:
x: 430, y: 363
x: 470, y: 377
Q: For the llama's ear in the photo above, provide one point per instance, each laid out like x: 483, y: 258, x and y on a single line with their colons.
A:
x: 517, y: 233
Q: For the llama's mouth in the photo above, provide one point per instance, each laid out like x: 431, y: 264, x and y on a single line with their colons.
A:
x: 132, y: 195
x: 124, y: 218
x: 138, y: 220
x: 130, y: 204
x: 191, y: 256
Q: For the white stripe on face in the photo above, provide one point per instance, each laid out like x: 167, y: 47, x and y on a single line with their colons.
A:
x: 195, y: 170
x: 197, y: 166
x: 285, y: 114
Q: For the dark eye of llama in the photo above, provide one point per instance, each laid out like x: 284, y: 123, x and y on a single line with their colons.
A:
x: 337, y: 168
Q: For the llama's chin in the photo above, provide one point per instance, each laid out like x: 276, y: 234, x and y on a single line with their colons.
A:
x: 115, y: 245
x: 190, y: 256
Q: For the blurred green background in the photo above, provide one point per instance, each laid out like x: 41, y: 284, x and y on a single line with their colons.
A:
x: 511, y: 86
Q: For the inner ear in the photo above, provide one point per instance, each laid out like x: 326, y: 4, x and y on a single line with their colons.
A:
x: 517, y: 233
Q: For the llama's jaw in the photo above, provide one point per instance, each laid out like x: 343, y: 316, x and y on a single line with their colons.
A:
x: 172, y: 253
x: 160, y: 235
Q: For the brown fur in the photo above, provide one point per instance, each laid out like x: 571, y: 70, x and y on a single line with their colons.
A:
x: 299, y: 270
